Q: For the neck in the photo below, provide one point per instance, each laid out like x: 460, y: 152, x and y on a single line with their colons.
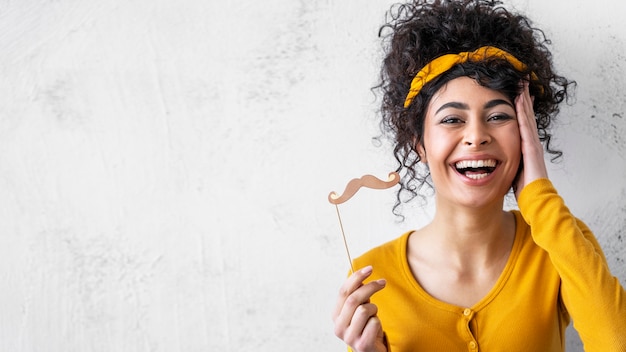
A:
x: 472, y: 237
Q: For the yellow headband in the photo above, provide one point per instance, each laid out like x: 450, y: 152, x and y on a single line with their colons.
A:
x: 446, y: 62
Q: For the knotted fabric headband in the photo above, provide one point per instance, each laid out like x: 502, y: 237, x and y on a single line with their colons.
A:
x: 443, y: 63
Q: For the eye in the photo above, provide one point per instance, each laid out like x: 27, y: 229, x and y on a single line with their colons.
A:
x: 500, y: 117
x: 450, y: 120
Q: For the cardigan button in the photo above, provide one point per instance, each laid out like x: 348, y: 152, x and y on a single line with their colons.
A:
x: 467, y: 312
x: 472, y: 345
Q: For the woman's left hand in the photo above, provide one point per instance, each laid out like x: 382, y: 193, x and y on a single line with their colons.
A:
x: 532, y: 149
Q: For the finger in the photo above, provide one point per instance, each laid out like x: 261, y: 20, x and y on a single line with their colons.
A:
x: 350, y: 285
x: 362, y: 314
x: 529, y: 137
x: 371, y: 337
x: 357, y: 298
x: 531, y: 147
x: 360, y: 320
x: 528, y: 123
x: 361, y: 295
x: 525, y: 113
x: 354, y: 311
x: 373, y: 330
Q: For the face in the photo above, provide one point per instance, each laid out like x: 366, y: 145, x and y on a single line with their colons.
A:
x: 471, y: 144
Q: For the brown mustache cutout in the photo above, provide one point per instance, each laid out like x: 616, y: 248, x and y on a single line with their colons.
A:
x: 368, y: 181
x: 353, y: 186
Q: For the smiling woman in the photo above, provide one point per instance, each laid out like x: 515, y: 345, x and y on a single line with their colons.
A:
x: 471, y: 138
x: 469, y: 93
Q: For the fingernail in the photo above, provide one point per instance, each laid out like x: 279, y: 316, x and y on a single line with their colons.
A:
x: 381, y: 282
x: 367, y: 270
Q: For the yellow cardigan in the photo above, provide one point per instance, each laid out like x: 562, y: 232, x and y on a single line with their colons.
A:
x: 556, y: 270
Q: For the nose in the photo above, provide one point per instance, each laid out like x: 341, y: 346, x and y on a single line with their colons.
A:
x: 476, y: 133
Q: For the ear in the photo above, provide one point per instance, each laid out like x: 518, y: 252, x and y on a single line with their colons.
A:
x: 419, y: 148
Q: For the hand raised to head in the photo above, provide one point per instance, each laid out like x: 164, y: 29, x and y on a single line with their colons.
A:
x: 534, y: 165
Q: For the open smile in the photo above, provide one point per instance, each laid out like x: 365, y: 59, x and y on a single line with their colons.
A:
x: 476, y: 169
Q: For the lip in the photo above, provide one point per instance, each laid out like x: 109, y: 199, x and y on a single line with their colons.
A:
x: 471, y: 181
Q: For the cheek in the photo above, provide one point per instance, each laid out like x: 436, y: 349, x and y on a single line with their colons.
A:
x: 514, y: 138
x: 433, y: 146
x: 438, y: 148
x: 515, y: 144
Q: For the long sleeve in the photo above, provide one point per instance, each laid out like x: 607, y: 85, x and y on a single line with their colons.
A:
x: 594, y: 298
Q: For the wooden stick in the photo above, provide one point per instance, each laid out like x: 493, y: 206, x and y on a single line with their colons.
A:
x: 353, y: 186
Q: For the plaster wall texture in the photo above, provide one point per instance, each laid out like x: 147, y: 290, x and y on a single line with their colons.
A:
x: 164, y: 165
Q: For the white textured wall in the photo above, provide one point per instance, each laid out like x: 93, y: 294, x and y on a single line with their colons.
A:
x: 164, y: 165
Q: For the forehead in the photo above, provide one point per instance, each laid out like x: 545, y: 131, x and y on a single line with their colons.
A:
x: 465, y: 90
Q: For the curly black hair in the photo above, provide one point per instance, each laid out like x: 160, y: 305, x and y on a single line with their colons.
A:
x: 419, y: 31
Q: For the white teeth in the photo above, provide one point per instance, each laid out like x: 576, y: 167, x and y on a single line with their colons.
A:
x: 464, y: 164
x: 477, y: 176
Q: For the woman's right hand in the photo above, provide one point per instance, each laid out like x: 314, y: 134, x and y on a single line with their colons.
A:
x: 356, y: 322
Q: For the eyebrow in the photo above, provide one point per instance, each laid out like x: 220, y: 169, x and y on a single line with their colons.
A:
x: 463, y: 106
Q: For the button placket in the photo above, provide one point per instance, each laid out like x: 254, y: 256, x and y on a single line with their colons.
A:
x: 472, y: 344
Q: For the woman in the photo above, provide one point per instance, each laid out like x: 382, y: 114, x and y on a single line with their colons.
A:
x: 469, y: 92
